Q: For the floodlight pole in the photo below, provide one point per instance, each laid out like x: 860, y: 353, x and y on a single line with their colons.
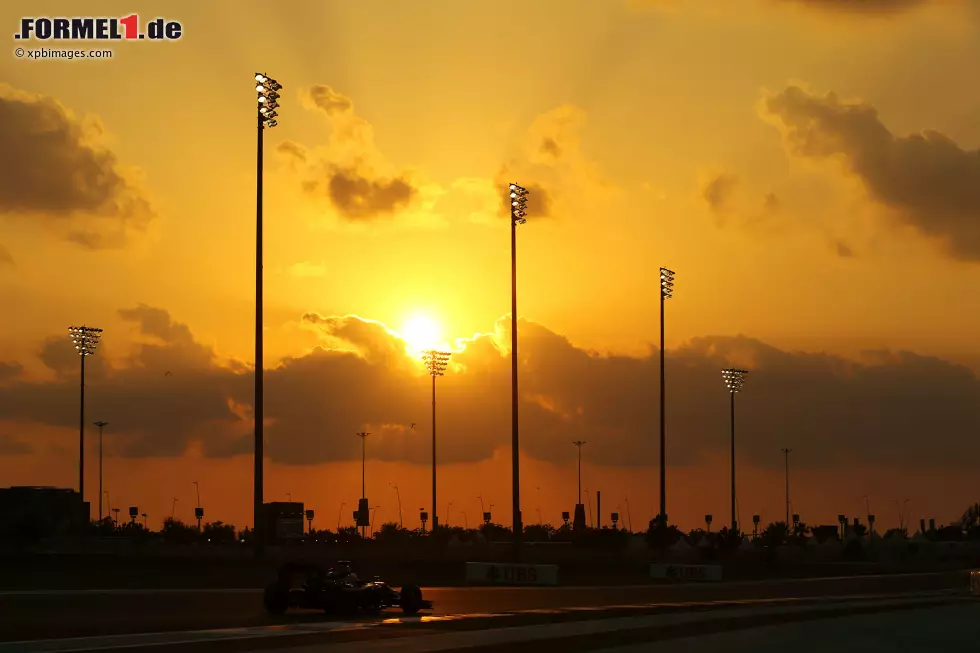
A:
x: 666, y: 290
x: 81, y: 435
x: 518, y: 209
x: 734, y: 379
x: 267, y: 103
x: 435, y: 512
x: 86, y: 340
x: 734, y: 517
x: 257, y: 411
x: 435, y: 362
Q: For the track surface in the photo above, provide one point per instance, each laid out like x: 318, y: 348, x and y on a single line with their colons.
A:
x: 51, y: 614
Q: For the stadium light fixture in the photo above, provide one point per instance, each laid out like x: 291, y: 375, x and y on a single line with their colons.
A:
x: 734, y: 380
x: 435, y: 363
x: 267, y: 101
x: 86, y: 340
x: 518, y: 215
x: 666, y: 292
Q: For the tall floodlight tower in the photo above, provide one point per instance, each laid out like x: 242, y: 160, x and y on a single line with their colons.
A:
x: 267, y: 101
x: 666, y: 292
x: 435, y: 363
x: 518, y: 215
x: 86, y: 340
x: 734, y: 380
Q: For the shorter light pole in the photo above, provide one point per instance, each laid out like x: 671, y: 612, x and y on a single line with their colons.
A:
x: 786, y: 453
x: 578, y: 523
x: 364, y: 518
x: 398, y: 495
x: 101, y: 425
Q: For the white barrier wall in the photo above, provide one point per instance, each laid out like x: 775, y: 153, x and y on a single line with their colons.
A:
x: 489, y: 573
x: 693, y: 573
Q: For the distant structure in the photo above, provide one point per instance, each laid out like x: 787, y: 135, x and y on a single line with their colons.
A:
x: 285, y: 521
x: 30, y: 511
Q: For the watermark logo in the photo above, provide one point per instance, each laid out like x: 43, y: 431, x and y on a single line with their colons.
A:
x: 127, y: 28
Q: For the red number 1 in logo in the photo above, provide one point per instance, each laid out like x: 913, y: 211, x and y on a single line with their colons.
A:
x: 131, y: 23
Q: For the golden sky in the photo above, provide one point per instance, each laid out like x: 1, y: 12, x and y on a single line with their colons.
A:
x: 809, y: 168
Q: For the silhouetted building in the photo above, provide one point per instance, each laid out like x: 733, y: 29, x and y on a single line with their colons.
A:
x: 284, y: 521
x: 35, y: 512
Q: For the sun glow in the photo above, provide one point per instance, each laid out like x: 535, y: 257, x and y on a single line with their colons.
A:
x: 421, y: 333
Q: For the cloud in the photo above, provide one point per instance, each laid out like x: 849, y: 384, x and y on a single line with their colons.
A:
x: 10, y: 370
x: 9, y: 446
x: 843, y: 250
x: 362, y: 196
x: 861, y: 7
x: 926, y: 179
x: 6, y: 258
x: 59, y: 171
x: 349, y: 171
x: 891, y: 408
x: 719, y: 190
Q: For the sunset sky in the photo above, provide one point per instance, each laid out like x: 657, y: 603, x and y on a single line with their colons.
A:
x: 809, y: 168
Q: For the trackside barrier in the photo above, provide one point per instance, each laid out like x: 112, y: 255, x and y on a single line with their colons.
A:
x: 696, y: 573
x: 975, y: 583
x: 489, y: 573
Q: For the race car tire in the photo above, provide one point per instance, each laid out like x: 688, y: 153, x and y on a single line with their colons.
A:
x: 276, y: 599
x: 411, y: 599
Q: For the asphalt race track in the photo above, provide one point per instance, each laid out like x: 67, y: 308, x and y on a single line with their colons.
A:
x: 47, y: 614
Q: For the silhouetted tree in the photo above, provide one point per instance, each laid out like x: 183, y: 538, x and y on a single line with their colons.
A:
x: 896, y: 532
x: 538, y: 532
x: 661, y: 536
x: 775, y: 534
x: 175, y: 531
x: 218, y: 533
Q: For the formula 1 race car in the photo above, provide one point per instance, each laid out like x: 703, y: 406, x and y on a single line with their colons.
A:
x: 337, y: 590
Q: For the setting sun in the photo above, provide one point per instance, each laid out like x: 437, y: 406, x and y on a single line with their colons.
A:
x: 420, y: 333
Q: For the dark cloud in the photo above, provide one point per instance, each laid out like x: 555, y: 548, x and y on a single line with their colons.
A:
x: 843, y: 250
x: 10, y: 446
x: 926, y: 178
x: 6, y: 258
x: 551, y: 147
x: 330, y: 101
x: 293, y: 151
x: 360, y: 196
x: 10, y: 370
x: 719, y: 190
x: 897, y: 409
x: 54, y: 168
x: 862, y: 7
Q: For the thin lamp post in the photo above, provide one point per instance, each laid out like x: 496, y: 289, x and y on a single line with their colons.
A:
x: 86, y: 340
x: 786, y: 453
x: 734, y: 380
x: 666, y: 292
x: 435, y: 363
x: 363, y: 436
x: 267, y: 101
x: 398, y: 494
x: 101, y: 425
x: 578, y: 444
x: 518, y: 212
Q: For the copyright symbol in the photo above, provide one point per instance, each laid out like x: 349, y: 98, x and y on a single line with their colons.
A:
x: 19, y: 53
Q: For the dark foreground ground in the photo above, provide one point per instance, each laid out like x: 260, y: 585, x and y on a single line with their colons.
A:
x: 41, y: 614
x: 207, y: 569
